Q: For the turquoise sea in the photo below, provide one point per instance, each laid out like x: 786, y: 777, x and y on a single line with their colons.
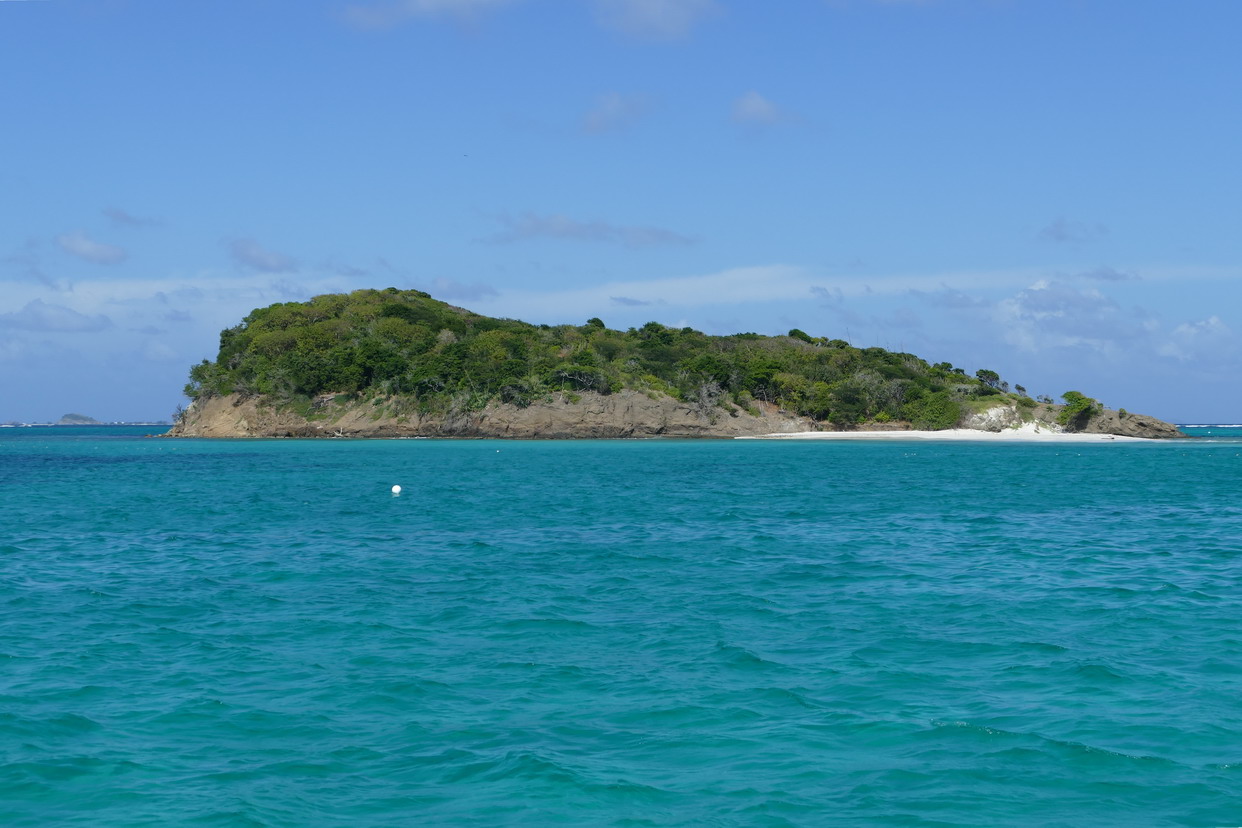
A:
x: 613, y: 633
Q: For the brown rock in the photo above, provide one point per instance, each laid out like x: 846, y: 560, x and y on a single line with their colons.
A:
x: 623, y: 414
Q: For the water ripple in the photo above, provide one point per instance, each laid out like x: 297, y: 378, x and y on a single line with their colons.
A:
x: 617, y: 633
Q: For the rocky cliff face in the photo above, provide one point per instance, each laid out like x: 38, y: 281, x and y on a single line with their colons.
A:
x: 624, y: 414
x: 1131, y: 425
x: 1107, y: 421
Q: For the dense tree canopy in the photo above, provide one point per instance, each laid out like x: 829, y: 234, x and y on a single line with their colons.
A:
x: 403, y: 345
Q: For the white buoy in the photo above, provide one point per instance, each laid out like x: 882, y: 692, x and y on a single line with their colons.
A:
x: 396, y: 490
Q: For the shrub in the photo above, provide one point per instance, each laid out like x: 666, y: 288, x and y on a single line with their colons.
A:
x: 934, y: 412
x: 1077, y: 411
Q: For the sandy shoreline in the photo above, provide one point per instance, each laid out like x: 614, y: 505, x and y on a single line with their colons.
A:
x: 1028, y: 433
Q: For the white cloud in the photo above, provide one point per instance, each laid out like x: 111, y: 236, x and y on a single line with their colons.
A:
x: 1051, y: 315
x: 1049, y: 300
x: 1212, y: 326
x: 78, y: 244
x: 1193, y: 340
x: 614, y: 111
x: 654, y: 19
x: 387, y: 15
x: 250, y: 253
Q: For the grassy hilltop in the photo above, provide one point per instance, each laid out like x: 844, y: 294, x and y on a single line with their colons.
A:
x: 404, y: 348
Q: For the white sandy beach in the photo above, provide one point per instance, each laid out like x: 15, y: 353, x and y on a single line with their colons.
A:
x: 1028, y: 433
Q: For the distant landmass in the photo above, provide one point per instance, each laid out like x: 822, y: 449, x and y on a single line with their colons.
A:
x: 390, y: 363
x: 77, y: 419
x: 82, y: 420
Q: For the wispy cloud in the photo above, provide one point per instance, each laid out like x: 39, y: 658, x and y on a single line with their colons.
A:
x: 387, y: 15
x: 833, y: 299
x: 529, y: 226
x: 847, y: 3
x: 951, y: 298
x: 647, y: 19
x: 126, y: 219
x: 1050, y: 315
x: 460, y: 291
x: 1108, y: 274
x: 250, y: 253
x: 1064, y: 231
x: 614, y: 111
x: 1194, y: 340
x: 80, y: 245
x: 759, y: 285
x: 748, y: 285
x: 26, y: 263
x: 39, y: 316
x: 753, y: 108
x: 654, y: 19
x: 1046, y: 299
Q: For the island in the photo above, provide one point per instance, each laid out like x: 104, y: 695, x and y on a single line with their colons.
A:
x: 399, y: 363
x: 77, y: 419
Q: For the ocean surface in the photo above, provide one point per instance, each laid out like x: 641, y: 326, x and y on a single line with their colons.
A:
x: 649, y: 633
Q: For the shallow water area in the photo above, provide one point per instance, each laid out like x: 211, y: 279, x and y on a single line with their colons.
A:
x: 618, y: 632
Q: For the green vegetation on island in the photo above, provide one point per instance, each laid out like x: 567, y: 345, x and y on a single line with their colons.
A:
x: 411, y: 352
x: 77, y: 419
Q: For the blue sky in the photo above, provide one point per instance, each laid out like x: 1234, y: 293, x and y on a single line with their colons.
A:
x: 1045, y: 188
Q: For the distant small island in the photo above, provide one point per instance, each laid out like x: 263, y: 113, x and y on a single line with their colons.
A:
x: 82, y: 420
x: 398, y: 363
x: 77, y: 419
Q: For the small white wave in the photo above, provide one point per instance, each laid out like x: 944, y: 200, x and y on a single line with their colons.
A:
x: 1209, y: 425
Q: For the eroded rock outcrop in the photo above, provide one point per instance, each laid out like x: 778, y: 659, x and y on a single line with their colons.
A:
x: 589, y: 415
x: 1103, y: 421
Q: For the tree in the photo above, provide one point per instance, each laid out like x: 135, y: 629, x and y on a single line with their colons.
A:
x: 988, y: 378
x: 1077, y: 411
x: 933, y: 412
